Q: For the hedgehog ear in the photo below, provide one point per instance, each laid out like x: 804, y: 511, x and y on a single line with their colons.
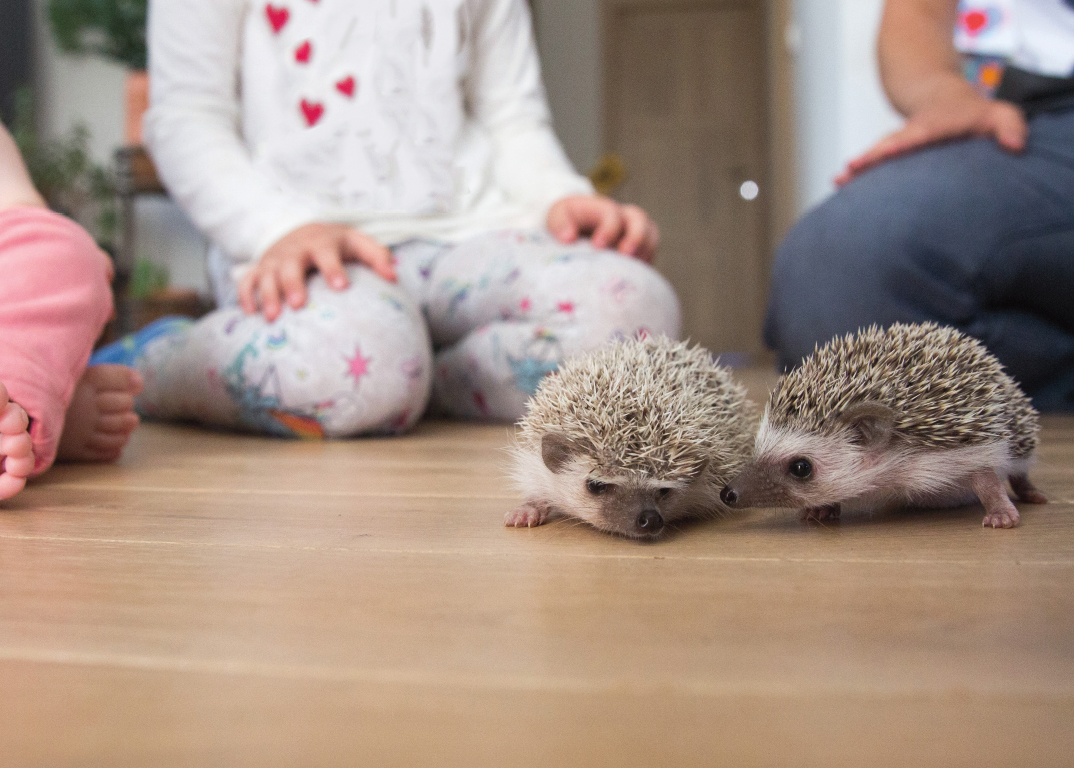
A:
x: 871, y: 423
x: 557, y: 451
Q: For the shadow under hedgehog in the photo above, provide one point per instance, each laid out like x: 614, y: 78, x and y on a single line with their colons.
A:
x: 917, y: 414
x: 631, y: 438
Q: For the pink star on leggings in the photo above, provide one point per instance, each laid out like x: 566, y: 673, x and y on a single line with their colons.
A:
x: 358, y: 366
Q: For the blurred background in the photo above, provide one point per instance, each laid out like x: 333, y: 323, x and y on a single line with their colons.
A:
x: 725, y: 118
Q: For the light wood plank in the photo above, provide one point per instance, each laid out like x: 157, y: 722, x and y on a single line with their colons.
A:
x: 223, y: 600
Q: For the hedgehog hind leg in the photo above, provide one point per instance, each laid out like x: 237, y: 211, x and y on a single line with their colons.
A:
x: 1000, y: 512
x: 1026, y: 491
x: 528, y: 515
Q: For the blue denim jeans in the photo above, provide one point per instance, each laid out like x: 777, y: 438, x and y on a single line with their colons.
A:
x: 964, y: 234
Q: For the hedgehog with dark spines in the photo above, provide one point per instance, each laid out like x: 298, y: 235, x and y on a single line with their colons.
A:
x: 631, y: 438
x: 917, y: 414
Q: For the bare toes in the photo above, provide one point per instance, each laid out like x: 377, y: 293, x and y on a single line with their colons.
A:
x: 16, y: 446
x: 13, y: 419
x: 114, y: 378
x: 106, y: 443
x: 21, y: 467
x: 117, y: 424
x: 115, y: 402
x: 10, y: 485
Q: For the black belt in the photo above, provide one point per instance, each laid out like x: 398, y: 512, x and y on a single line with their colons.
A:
x: 1036, y: 94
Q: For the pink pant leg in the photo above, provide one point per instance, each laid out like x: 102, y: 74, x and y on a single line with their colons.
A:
x: 54, y: 301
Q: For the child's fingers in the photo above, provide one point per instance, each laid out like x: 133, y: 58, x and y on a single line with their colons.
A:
x: 292, y: 277
x: 371, y: 253
x: 560, y: 222
x: 636, y: 225
x: 246, y: 292
x: 329, y: 262
x: 269, y: 292
x: 609, y: 226
x: 647, y: 250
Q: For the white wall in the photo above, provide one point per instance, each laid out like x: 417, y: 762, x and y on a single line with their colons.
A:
x: 79, y: 89
x: 568, y: 35
x: 840, y: 105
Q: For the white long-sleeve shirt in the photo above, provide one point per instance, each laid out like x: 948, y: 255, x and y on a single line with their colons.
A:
x: 404, y: 118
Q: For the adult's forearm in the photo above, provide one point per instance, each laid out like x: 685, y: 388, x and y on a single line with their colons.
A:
x: 918, y: 60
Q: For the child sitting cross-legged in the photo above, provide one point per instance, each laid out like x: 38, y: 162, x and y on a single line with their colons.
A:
x: 391, y: 217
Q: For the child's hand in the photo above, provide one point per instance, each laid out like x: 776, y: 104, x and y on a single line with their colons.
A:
x: 281, y: 273
x: 627, y: 228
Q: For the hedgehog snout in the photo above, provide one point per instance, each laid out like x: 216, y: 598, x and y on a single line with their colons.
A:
x: 650, y: 522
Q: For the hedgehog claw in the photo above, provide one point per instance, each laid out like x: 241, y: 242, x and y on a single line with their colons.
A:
x: 1003, y: 519
x: 999, y: 511
x: 818, y: 514
x: 527, y: 516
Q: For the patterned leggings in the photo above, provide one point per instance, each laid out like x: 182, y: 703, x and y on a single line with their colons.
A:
x: 500, y: 310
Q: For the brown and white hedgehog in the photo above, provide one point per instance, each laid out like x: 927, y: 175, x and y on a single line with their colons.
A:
x: 630, y: 438
x: 915, y: 414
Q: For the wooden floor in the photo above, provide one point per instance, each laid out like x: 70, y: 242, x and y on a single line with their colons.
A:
x: 226, y: 601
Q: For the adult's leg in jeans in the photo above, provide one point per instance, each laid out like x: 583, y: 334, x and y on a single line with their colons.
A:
x: 505, y: 308
x: 350, y: 362
x: 963, y: 234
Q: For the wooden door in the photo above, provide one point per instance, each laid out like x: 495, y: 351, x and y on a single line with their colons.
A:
x: 686, y: 108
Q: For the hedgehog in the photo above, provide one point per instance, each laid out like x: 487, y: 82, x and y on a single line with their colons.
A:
x: 915, y: 415
x: 631, y: 438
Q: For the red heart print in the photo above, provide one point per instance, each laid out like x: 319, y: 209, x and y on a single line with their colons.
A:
x: 974, y: 21
x: 277, y: 17
x: 303, y: 52
x: 312, y: 111
x: 346, y: 86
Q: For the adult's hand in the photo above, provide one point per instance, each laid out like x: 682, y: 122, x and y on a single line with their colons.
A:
x: 281, y: 273
x: 955, y: 112
x: 626, y: 228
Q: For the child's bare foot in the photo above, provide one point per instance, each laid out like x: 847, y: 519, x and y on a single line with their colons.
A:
x: 101, y: 416
x: 16, y: 449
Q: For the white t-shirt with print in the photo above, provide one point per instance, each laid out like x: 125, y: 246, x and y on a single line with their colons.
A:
x: 1035, y: 35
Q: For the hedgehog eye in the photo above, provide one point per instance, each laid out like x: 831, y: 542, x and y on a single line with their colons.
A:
x: 800, y: 468
x: 663, y: 492
x: 596, y: 487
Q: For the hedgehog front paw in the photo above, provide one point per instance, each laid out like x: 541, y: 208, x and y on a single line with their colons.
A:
x: 819, y: 514
x: 527, y: 516
x: 1003, y: 517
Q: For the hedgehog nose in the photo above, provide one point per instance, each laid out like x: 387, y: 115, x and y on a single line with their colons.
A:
x: 729, y: 496
x: 650, y: 521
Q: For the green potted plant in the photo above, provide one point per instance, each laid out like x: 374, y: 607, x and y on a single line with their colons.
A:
x: 65, y: 174
x: 114, y: 29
